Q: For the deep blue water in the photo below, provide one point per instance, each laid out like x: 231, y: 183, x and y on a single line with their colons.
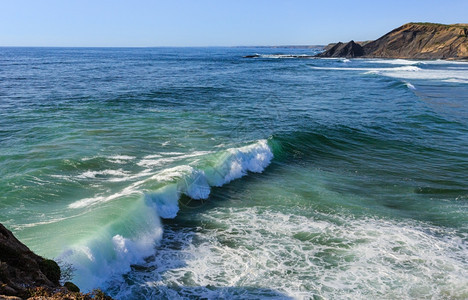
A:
x: 196, y: 172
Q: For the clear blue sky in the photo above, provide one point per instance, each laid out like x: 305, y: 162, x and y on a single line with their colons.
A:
x: 212, y: 22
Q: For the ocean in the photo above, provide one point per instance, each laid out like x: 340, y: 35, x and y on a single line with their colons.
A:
x: 172, y: 173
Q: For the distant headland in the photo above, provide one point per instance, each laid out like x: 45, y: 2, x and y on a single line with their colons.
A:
x: 411, y: 41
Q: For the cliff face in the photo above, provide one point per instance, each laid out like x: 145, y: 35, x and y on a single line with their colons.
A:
x: 350, y: 49
x: 21, y: 269
x: 416, y: 41
x: 25, y: 275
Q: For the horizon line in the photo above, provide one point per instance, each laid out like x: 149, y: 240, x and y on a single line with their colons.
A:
x: 237, y: 46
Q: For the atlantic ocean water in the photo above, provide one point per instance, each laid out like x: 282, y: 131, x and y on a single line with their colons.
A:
x: 173, y: 173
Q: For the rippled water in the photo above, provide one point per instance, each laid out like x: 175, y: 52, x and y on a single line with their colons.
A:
x: 195, y: 172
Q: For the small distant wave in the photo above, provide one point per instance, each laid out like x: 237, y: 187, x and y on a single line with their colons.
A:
x: 46, y: 222
x: 455, y: 80
x: 86, y: 202
x: 399, y: 61
x: 410, y: 86
x: 104, y: 173
x: 276, y: 56
x: 396, y: 61
x: 409, y: 72
x: 404, y: 68
x: 167, y: 157
x: 119, y: 159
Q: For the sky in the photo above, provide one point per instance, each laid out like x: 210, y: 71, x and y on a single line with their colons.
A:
x: 154, y: 23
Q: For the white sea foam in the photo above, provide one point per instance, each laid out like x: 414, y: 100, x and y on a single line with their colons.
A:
x: 110, y: 251
x: 46, y: 222
x: 150, y: 161
x: 410, y: 72
x: 152, y: 156
x: 284, y: 55
x: 416, y: 62
x: 410, y: 86
x: 238, y: 161
x: 88, y: 158
x: 105, y: 173
x: 120, y: 159
x: 396, y: 61
x: 172, y: 153
x: 324, y: 256
x: 103, y: 198
x: 195, y: 183
x: 455, y: 80
x: 403, y: 68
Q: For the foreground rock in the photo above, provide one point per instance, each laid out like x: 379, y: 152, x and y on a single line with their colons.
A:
x: 411, y: 41
x: 25, y: 275
x: 21, y: 269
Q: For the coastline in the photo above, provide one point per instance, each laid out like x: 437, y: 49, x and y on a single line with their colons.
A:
x: 409, y: 41
x: 26, y: 275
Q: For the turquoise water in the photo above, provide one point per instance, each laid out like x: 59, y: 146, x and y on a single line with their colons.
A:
x: 195, y: 172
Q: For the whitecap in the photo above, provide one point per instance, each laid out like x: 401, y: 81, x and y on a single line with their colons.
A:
x: 93, y: 174
x: 409, y: 72
x: 323, y: 255
x: 109, y: 252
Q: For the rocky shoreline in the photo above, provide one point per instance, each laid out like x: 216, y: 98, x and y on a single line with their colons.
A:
x: 26, y: 275
x: 410, y: 41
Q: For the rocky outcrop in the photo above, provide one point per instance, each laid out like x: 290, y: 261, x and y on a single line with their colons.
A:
x: 21, y: 269
x: 412, y: 41
x: 350, y: 49
x: 26, y: 275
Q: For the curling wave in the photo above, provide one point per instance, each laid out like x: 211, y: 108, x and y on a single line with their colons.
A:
x: 128, y: 240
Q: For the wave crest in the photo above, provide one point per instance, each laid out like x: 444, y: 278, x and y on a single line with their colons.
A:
x: 131, y: 238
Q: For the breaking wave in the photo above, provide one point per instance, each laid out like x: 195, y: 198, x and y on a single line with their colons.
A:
x: 409, y: 71
x: 131, y: 238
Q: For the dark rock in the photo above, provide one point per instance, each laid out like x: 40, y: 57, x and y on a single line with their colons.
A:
x: 51, y: 270
x: 348, y: 50
x: 422, y: 41
x: 25, y: 275
x: 71, y: 287
x: 329, y: 46
x: 20, y: 268
x: 411, y: 41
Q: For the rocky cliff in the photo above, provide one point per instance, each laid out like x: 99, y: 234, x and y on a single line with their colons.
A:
x: 21, y: 269
x: 25, y: 275
x: 350, y: 49
x: 413, y: 41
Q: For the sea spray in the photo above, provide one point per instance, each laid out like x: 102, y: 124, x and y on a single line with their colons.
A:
x: 128, y: 240
x: 196, y: 182
x: 112, y: 249
x: 408, y: 72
